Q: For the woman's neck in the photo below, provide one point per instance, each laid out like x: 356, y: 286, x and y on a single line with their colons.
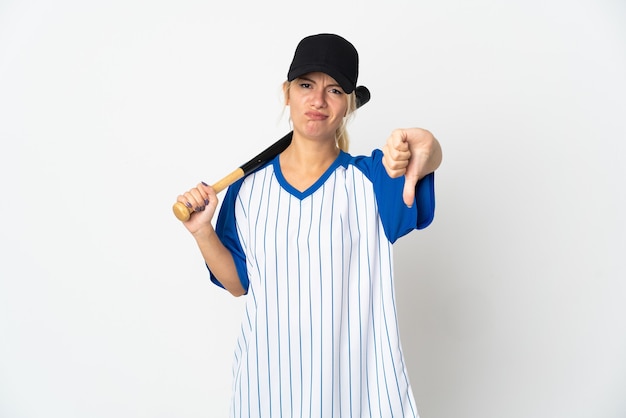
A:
x: 306, y: 160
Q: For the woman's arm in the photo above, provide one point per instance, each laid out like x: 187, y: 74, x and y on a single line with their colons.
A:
x: 216, y: 256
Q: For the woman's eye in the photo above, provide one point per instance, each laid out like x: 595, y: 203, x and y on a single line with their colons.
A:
x: 305, y: 85
x: 336, y: 91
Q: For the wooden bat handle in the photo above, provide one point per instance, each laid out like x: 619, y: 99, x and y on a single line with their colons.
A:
x: 183, y: 213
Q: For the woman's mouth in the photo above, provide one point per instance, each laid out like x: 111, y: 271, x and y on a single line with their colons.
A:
x: 312, y: 115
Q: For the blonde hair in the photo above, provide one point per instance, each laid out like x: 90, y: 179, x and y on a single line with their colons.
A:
x: 341, y: 134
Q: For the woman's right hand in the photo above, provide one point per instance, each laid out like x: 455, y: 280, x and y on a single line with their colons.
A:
x: 203, y: 200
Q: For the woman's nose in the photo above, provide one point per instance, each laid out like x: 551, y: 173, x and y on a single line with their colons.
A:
x: 319, y: 98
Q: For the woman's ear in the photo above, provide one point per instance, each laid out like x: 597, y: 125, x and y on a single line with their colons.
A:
x: 286, y: 85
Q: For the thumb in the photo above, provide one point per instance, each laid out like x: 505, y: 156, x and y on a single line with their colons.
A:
x: 408, y: 194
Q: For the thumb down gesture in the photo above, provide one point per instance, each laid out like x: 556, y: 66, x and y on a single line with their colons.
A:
x: 412, y: 153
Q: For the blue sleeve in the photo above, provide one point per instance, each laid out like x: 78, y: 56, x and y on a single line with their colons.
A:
x: 425, y: 200
x: 226, y: 229
x: 398, y: 219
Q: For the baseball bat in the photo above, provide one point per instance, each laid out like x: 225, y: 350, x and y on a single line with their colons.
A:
x: 183, y: 213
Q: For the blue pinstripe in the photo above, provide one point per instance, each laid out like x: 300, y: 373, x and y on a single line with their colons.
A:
x: 300, y: 311
x: 287, y: 259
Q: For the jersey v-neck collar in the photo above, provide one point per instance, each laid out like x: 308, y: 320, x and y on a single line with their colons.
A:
x: 341, y: 158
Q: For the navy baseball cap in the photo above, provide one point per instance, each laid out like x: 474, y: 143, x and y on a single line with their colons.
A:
x: 330, y: 54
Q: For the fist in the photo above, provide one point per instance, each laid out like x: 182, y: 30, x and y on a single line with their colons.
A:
x: 411, y: 153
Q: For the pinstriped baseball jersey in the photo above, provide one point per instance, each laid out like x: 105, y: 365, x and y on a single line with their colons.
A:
x: 319, y: 335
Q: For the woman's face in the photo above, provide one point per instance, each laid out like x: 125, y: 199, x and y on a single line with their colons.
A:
x: 317, y: 105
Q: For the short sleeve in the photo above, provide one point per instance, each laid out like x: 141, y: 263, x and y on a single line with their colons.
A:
x: 398, y: 219
x: 226, y: 229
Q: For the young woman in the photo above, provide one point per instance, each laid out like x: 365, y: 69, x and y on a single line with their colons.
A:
x: 308, y: 239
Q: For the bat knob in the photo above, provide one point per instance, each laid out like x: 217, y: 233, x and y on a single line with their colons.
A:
x: 181, y: 211
x: 363, y: 95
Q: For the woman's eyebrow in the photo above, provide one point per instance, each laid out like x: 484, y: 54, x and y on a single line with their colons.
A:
x: 308, y: 80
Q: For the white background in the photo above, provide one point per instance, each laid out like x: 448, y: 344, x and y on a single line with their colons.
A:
x: 512, y: 303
